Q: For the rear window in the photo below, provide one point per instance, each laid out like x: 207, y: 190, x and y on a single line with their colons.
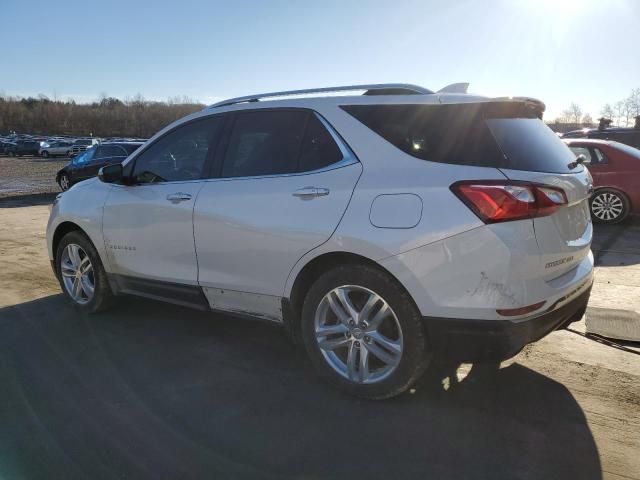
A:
x: 492, y: 134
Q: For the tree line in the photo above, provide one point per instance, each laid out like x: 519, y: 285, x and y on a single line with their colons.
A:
x: 621, y: 113
x: 106, y: 117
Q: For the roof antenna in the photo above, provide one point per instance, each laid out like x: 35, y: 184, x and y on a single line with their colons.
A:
x: 455, y: 88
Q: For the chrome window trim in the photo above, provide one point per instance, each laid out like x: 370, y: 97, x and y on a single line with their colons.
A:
x: 348, y: 157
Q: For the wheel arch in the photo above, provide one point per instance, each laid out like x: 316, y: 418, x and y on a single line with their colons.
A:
x: 61, y: 230
x: 292, y: 303
x: 617, y: 189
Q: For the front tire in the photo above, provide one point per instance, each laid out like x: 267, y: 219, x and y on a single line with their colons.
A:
x: 609, y: 206
x: 64, y: 182
x: 81, y: 274
x: 363, y: 332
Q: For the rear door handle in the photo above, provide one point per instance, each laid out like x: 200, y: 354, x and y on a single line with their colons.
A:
x: 307, y: 193
x: 178, y: 197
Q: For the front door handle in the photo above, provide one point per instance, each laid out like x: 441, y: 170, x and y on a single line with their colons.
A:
x: 178, y: 197
x: 307, y: 193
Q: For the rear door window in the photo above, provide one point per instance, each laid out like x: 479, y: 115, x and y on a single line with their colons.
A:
x: 278, y: 142
x: 588, y: 159
x: 490, y: 134
x: 264, y: 143
x: 108, y: 151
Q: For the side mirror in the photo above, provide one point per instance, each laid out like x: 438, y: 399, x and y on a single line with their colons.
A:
x: 110, y: 173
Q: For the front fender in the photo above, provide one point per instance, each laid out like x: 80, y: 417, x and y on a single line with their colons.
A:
x: 83, y: 206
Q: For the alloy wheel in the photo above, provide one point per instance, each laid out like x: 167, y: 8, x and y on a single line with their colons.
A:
x: 77, y: 274
x: 607, y: 206
x: 64, y: 182
x: 358, y: 334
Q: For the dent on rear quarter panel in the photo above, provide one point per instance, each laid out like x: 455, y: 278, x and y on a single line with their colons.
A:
x: 471, y: 274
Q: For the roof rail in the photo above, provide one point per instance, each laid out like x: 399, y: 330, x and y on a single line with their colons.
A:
x: 375, y: 89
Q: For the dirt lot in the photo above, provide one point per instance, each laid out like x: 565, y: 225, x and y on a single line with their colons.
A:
x: 155, y: 391
x: 29, y: 175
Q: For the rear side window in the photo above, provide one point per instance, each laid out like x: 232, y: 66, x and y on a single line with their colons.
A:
x: 588, y: 158
x: 275, y: 142
x: 490, y: 134
x: 131, y: 148
x: 318, y: 150
x: 107, y: 151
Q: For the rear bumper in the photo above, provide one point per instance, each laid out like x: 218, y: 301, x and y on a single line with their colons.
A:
x: 477, y: 340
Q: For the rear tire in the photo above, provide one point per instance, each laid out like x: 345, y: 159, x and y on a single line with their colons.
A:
x: 94, y: 292
x: 609, y: 206
x: 395, y: 352
x: 45, y: 154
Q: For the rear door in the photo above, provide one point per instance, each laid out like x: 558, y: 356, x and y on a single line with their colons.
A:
x: 534, y: 153
x: 282, y: 182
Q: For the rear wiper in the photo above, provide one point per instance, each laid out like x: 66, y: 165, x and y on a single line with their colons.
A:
x: 580, y: 159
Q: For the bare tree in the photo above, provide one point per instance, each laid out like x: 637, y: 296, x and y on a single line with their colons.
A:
x: 607, y: 112
x: 618, y: 108
x: 634, y: 102
x: 586, y: 119
x: 573, y: 114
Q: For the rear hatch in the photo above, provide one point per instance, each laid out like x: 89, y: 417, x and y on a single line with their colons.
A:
x: 533, y: 153
x: 506, y: 135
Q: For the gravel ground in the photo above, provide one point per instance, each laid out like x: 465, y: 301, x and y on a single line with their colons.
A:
x: 29, y: 175
x: 149, y: 390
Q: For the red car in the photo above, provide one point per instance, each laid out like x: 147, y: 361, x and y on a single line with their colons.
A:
x: 615, y: 168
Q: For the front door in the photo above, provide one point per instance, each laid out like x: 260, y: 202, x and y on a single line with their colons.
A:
x: 148, y: 226
x: 284, y: 181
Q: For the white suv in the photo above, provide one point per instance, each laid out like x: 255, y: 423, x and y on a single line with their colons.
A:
x: 380, y: 229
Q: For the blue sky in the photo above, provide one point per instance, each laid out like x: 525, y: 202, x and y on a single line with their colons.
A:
x: 557, y: 50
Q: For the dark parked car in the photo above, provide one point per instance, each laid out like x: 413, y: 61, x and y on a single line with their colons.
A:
x: 628, y: 136
x: 87, y: 163
x: 615, y: 168
x: 4, y: 147
x: 23, y: 147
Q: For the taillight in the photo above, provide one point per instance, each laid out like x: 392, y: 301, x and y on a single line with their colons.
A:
x: 504, y: 201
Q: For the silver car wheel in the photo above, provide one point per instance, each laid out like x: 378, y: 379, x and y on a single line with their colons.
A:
x: 77, y: 274
x: 64, y: 182
x: 358, y: 334
x: 607, y: 206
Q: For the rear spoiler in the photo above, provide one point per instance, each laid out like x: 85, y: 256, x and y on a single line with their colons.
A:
x: 532, y: 103
x: 455, y: 88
